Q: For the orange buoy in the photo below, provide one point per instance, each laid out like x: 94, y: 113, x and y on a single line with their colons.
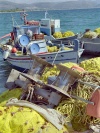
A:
x: 79, y: 69
x: 14, y: 50
x: 94, y: 110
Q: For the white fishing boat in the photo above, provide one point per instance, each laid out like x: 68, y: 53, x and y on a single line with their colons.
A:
x: 24, y: 62
x: 29, y: 39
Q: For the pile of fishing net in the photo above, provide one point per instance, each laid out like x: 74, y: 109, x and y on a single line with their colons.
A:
x: 68, y: 34
x: 54, y: 71
x: 55, y: 49
x: 97, y: 30
x: 75, y: 110
x: 92, y: 64
x: 90, y: 34
x: 15, y: 119
x: 57, y: 35
x: 62, y: 35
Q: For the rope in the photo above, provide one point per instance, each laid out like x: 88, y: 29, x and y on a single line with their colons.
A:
x: 55, y: 57
x: 13, y: 20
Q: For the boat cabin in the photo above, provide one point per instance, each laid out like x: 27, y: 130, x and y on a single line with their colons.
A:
x: 28, y: 38
x: 46, y: 26
x: 49, y: 26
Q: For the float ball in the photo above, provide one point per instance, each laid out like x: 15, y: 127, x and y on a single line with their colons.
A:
x: 14, y: 50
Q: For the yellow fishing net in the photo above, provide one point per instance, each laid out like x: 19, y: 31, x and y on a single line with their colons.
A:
x: 54, y: 71
x: 21, y: 119
x: 92, y: 64
x: 9, y: 94
x: 25, y: 120
x: 74, y: 109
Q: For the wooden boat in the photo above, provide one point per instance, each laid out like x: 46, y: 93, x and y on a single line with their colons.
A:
x: 90, y: 41
x: 68, y: 42
x: 30, y: 39
x: 24, y: 62
x: 91, y: 46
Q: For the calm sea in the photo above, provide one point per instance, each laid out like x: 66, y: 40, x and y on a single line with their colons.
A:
x: 74, y: 20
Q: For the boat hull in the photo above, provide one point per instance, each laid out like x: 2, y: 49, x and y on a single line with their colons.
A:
x: 91, y: 46
x: 23, y: 63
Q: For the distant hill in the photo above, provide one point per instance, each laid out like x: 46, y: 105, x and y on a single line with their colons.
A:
x: 78, y: 4
x: 6, y: 5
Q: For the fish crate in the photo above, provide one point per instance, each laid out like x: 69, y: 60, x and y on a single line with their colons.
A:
x: 39, y: 36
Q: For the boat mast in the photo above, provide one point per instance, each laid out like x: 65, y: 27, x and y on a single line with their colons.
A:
x: 46, y: 14
x: 24, y: 16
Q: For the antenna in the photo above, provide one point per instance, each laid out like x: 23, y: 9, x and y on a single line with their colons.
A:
x: 23, y: 14
x: 46, y: 14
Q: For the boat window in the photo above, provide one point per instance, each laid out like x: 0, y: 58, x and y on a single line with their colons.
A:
x: 25, y: 29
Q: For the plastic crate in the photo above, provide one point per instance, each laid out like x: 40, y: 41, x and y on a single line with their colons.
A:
x: 39, y: 36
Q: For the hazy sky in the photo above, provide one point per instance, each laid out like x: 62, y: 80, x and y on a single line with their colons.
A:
x: 32, y: 1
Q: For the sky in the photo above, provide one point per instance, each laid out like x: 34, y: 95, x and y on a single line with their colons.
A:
x: 32, y: 1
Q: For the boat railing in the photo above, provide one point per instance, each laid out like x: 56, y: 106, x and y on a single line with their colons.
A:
x: 65, y: 42
x: 90, y: 43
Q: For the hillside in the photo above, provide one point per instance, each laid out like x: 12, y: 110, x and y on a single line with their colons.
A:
x: 5, y: 5
x: 79, y: 4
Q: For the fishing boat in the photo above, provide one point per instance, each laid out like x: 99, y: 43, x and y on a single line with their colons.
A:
x: 91, y: 46
x: 24, y: 62
x: 31, y: 38
x: 91, y: 42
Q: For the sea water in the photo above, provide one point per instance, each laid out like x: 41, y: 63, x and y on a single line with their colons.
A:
x: 73, y: 20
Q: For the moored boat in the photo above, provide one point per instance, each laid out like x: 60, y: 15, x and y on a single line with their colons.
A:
x: 31, y: 38
x: 91, y: 46
x: 91, y: 42
x: 24, y: 62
